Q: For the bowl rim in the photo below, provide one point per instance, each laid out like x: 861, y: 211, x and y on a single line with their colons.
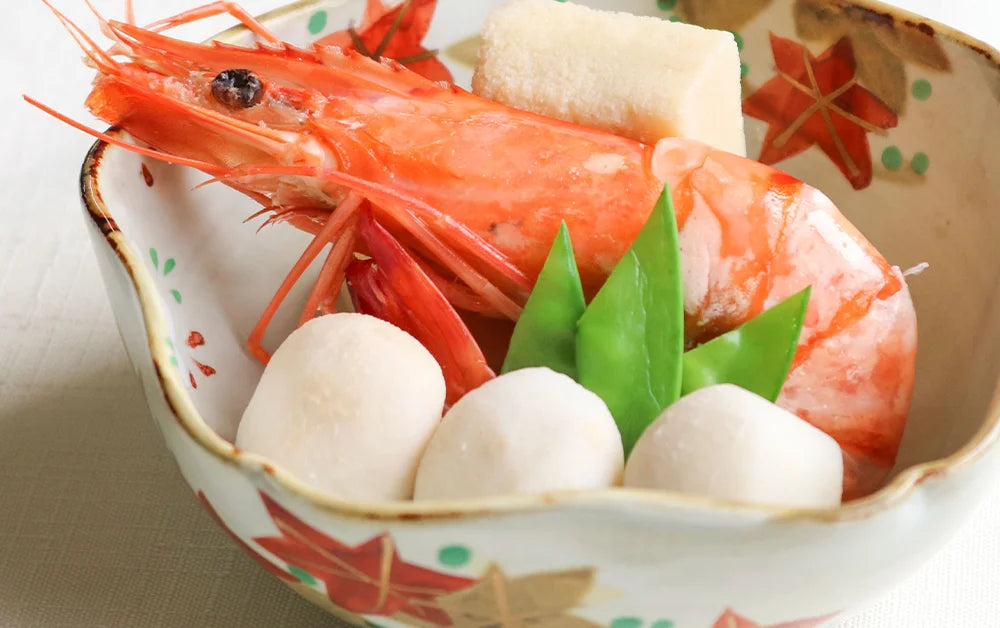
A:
x: 189, y: 419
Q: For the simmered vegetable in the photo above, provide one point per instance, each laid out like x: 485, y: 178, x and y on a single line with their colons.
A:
x: 724, y: 441
x: 545, y: 334
x: 627, y: 345
x: 330, y: 395
x: 755, y: 356
x: 529, y: 431
x: 630, y: 340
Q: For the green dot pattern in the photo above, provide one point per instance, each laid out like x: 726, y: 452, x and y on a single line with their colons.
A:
x: 676, y: 18
x: 168, y: 266
x: 626, y: 622
x: 744, y: 70
x: 153, y: 255
x: 666, y: 5
x: 892, y: 158
x: 304, y: 576
x: 920, y: 163
x: 454, y: 555
x: 739, y: 41
x: 173, y: 356
x: 176, y: 295
x: 662, y: 623
x: 921, y: 89
x: 317, y: 22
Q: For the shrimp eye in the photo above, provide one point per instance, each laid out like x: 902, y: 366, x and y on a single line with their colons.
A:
x: 237, y: 89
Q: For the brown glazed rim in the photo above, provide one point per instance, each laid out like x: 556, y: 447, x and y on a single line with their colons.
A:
x: 665, y: 504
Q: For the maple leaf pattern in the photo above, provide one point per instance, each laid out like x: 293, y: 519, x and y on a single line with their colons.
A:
x: 369, y: 578
x: 881, y: 45
x: 817, y: 100
x: 723, y: 15
x: 729, y: 619
x: 263, y: 562
x: 195, y: 340
x: 394, y: 33
x: 539, y: 600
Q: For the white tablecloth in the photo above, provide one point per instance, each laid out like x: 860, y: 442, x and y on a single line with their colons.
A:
x: 96, y: 526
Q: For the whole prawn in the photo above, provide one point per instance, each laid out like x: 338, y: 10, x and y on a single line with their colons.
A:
x: 453, y: 201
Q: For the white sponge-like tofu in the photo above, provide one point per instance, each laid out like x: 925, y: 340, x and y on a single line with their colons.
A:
x: 638, y: 77
x: 726, y: 442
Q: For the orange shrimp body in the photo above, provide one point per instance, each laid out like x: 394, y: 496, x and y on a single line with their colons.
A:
x: 464, y: 196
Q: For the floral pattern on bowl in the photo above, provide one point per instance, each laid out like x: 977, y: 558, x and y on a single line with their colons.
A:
x: 825, y: 100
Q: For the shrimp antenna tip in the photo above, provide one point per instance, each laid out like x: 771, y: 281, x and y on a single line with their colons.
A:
x: 148, y: 152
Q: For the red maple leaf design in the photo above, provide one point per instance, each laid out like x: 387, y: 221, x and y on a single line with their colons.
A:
x: 395, y: 33
x: 263, y: 562
x: 729, y: 619
x: 195, y: 340
x: 369, y: 578
x: 817, y: 100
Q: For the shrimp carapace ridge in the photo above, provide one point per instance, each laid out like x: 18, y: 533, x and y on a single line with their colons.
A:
x: 453, y: 201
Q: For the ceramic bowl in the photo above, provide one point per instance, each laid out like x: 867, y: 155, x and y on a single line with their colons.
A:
x: 187, y: 280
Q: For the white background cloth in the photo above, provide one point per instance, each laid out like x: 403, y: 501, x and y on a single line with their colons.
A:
x: 96, y: 526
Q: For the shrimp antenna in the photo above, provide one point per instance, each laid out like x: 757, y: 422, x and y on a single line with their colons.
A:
x: 120, y: 46
x: 217, y: 8
x: 256, y: 214
x: 110, y: 139
x: 331, y: 274
x: 442, y: 224
x: 335, y: 225
x: 130, y: 12
x: 90, y: 48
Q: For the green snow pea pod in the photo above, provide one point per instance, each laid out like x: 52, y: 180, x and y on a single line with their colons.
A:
x: 545, y: 334
x: 630, y: 341
x: 756, y: 355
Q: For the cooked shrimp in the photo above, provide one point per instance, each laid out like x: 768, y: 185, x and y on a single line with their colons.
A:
x: 457, y: 200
